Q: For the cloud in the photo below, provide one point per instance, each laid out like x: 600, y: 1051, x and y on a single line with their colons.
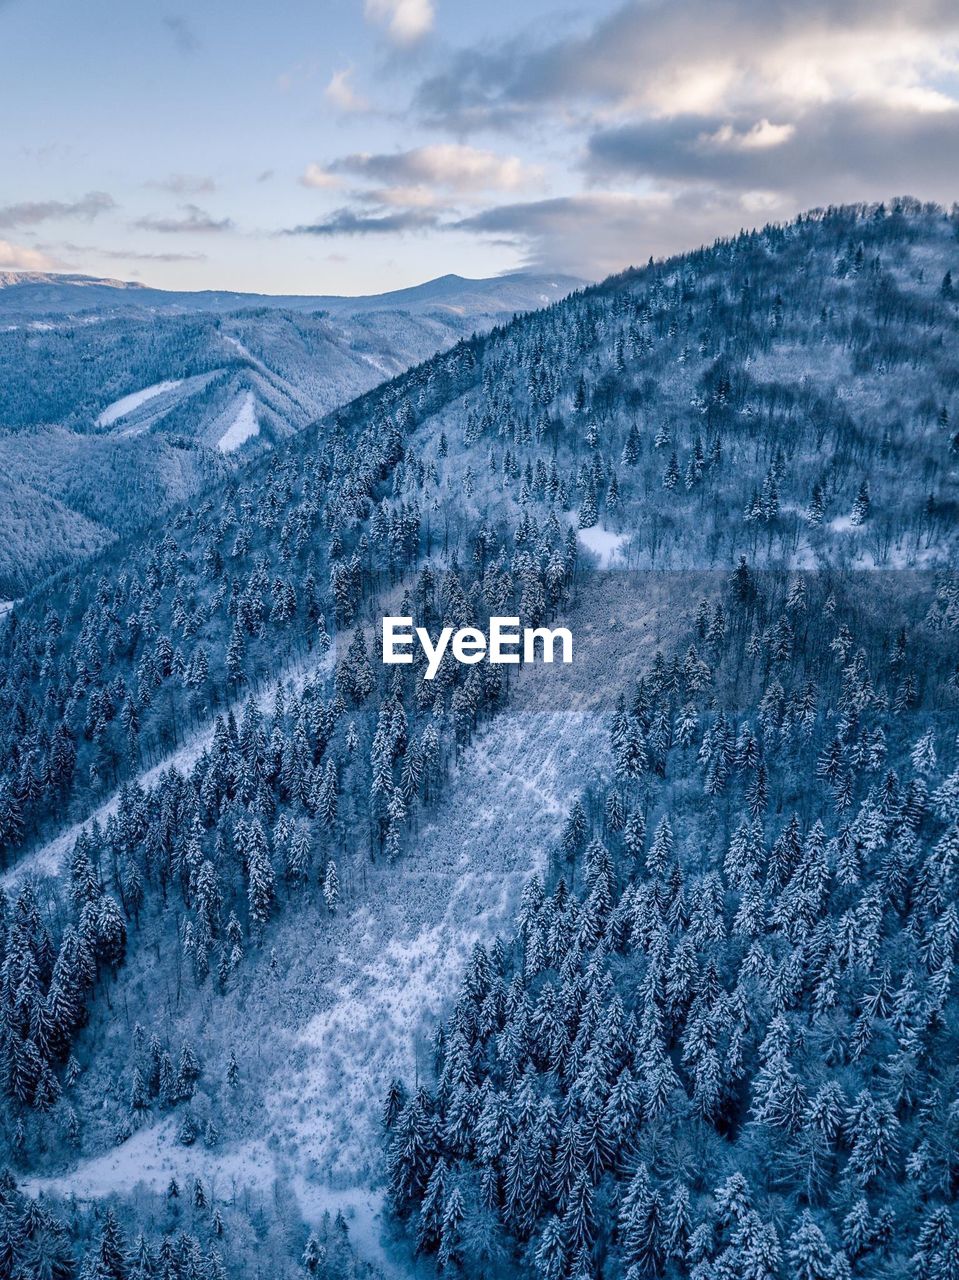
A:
x: 665, y: 57
x: 406, y: 21
x: 183, y: 184
x: 761, y: 135
x: 708, y: 114
x: 452, y: 166
x: 415, y: 197
x: 15, y: 257
x: 341, y: 94
x: 133, y: 255
x: 593, y: 235
x: 316, y: 176
x: 194, y: 220
x: 128, y: 255
x: 32, y: 212
x: 861, y: 150
x: 181, y: 31
x: 349, y: 222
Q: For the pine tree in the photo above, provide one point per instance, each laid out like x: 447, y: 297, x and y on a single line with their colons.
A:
x: 588, y: 513
x: 810, y: 1257
x: 331, y: 887
x: 262, y: 878
x: 862, y: 506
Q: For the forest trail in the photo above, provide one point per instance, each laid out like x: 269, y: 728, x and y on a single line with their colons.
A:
x: 47, y: 859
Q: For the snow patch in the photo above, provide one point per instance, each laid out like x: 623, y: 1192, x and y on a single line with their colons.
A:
x: 151, y: 1157
x: 126, y: 404
x: 604, y: 544
x: 843, y: 524
x: 243, y: 427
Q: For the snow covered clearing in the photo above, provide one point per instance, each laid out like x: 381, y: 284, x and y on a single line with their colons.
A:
x: 384, y: 972
x: 151, y: 1157
x: 843, y: 524
x: 126, y: 404
x: 243, y: 427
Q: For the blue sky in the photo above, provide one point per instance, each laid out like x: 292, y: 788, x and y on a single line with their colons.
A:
x: 351, y: 146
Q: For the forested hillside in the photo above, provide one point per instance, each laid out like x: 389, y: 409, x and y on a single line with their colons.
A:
x: 721, y: 1039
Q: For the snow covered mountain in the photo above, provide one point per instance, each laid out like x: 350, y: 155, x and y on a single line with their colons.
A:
x: 38, y: 295
x: 123, y: 399
x: 642, y: 966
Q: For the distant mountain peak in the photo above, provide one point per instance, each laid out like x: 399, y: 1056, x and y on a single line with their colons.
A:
x: 39, y: 293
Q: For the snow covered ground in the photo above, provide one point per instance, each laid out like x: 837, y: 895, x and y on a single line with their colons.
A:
x: 243, y: 427
x: 843, y: 524
x: 126, y: 404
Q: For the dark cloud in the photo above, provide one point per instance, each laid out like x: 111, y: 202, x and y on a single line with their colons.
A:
x: 131, y: 255
x: 349, y: 222
x: 31, y: 212
x: 591, y: 235
x: 594, y: 235
x: 194, y: 220
x: 849, y: 149
x: 727, y: 112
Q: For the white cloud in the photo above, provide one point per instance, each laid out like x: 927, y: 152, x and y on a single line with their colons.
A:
x: 734, y: 59
x: 405, y: 20
x: 402, y: 197
x: 315, y: 175
x: 16, y: 257
x: 341, y: 94
x: 760, y: 137
x: 452, y: 166
x: 763, y: 203
x: 468, y: 168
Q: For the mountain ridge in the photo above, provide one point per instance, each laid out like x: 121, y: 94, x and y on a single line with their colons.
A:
x: 48, y: 293
x: 69, y: 371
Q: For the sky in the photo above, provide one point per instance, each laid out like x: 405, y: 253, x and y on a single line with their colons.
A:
x: 356, y: 146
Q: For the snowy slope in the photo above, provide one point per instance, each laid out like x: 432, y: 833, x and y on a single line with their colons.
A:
x: 355, y: 1002
x: 243, y: 427
x: 126, y: 404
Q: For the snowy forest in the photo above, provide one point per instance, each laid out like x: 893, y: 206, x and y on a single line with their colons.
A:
x: 640, y: 968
